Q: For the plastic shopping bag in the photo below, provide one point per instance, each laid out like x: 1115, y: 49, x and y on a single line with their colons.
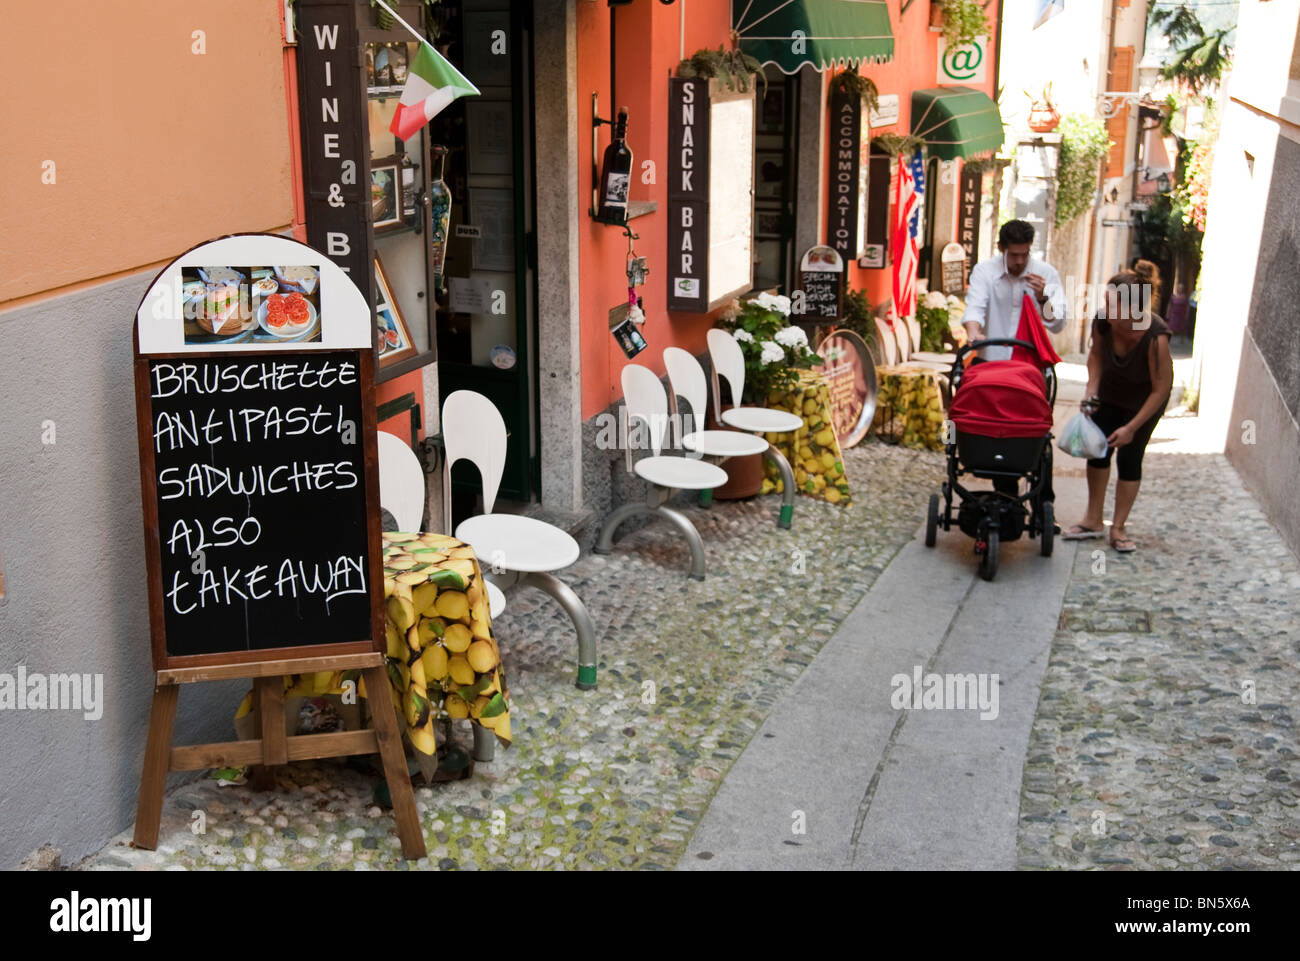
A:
x: 1082, y: 438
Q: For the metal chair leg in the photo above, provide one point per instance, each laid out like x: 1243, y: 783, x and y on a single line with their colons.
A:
x: 787, y: 486
x: 605, y: 542
x: 577, y: 611
x: 678, y: 520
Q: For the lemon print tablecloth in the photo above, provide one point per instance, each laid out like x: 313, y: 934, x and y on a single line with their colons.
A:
x: 909, y: 407
x: 813, y: 450
x: 441, y: 655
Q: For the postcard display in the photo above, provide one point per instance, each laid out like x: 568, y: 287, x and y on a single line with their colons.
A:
x: 259, y: 479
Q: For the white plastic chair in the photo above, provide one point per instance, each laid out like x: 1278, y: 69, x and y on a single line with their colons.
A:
x: 401, y: 493
x: 729, y: 363
x: 473, y: 430
x: 646, y: 402
x: 686, y: 377
x: 888, y: 343
x: 918, y: 356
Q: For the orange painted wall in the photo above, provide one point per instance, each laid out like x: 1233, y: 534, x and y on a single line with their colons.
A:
x: 649, y: 44
x: 155, y: 148
x: 412, y: 383
x: 914, y: 67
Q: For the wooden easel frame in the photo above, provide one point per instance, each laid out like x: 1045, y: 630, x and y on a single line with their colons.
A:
x: 273, y: 746
x: 267, y: 667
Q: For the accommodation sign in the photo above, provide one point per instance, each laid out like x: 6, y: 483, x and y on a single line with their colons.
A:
x: 688, y: 194
x: 848, y: 179
x: 968, y: 214
x: 335, y: 168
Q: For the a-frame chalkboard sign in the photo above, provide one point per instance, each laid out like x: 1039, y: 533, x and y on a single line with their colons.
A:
x: 254, y: 381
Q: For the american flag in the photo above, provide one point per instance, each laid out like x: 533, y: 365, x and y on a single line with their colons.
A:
x: 907, y: 213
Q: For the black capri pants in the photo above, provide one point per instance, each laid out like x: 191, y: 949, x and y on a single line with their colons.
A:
x: 1128, y: 459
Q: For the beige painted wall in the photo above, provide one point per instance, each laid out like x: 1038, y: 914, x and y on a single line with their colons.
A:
x: 155, y: 148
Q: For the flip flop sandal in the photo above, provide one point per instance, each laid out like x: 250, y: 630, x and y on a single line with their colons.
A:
x: 1123, y: 545
x: 1080, y: 533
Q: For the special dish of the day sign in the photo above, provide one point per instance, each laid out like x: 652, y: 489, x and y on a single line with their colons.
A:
x: 254, y: 384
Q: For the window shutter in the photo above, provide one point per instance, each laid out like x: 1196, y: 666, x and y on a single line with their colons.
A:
x: 1121, y: 78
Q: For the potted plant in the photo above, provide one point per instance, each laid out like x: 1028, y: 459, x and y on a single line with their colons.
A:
x: 733, y: 69
x: 1043, y: 117
x: 962, y: 21
x: 774, y: 351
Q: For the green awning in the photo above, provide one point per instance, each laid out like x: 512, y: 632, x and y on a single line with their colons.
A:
x: 956, y: 121
x: 830, y: 32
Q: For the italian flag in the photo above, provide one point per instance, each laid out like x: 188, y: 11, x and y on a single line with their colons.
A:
x: 431, y: 84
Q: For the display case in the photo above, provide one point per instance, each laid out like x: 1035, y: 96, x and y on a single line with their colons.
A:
x: 453, y: 287
x: 368, y: 192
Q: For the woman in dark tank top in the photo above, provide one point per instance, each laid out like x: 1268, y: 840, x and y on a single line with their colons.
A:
x: 1130, y: 375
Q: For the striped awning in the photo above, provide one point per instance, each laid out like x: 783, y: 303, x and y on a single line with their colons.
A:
x: 825, y: 33
x: 956, y: 121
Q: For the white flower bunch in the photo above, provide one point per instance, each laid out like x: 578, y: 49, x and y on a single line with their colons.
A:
x: 770, y: 353
x: 792, y: 337
x: 935, y: 300
x: 742, y: 335
x: 773, y: 302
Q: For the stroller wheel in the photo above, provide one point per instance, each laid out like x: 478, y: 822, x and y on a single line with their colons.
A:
x: 931, y: 520
x: 1047, y: 518
x: 989, y: 559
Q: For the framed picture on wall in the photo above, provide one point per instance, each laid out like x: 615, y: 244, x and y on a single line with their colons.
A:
x: 394, y: 337
x: 489, y: 146
x: 386, y: 193
x: 768, y: 223
x: 768, y: 175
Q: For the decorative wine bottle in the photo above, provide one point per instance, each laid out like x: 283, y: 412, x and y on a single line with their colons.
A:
x: 616, y: 175
x: 439, y: 216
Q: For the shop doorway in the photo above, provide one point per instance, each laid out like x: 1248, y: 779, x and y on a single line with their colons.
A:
x: 486, y: 306
x: 775, y: 162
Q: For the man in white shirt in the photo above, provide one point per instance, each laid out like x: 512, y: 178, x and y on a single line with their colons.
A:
x: 998, y: 286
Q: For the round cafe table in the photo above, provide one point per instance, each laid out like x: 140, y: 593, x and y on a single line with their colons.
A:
x: 909, y: 407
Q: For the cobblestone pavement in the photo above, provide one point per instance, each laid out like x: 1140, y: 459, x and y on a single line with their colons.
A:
x: 602, y: 778
x: 1164, y: 736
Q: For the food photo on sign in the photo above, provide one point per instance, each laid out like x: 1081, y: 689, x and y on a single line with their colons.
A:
x: 241, y: 305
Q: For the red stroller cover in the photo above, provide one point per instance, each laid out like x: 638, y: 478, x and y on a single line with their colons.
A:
x: 1002, y: 398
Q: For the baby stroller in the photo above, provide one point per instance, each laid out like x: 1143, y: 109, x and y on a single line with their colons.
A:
x: 1000, y: 427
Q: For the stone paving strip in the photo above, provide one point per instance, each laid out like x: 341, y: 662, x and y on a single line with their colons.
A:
x: 612, y: 778
x: 1164, y: 736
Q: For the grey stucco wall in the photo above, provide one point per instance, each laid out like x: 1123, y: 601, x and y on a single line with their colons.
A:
x: 1266, y: 452
x: 1272, y: 319
x: 71, y: 539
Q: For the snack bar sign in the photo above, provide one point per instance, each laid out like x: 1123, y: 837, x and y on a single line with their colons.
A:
x: 688, y: 194
x: 335, y: 167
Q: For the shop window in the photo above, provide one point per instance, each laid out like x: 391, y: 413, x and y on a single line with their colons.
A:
x: 774, y: 201
x: 927, y: 254
x: 399, y: 181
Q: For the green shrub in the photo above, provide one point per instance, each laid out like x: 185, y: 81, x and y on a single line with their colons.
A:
x: 1084, y: 143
